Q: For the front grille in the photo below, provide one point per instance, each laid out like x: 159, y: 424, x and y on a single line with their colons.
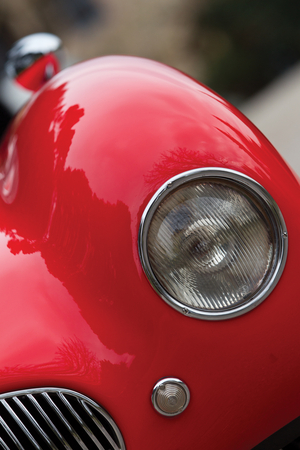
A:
x: 56, y: 419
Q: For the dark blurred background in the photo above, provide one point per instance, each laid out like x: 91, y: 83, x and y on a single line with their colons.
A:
x: 236, y: 47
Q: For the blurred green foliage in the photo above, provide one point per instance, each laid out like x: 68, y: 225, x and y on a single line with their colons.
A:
x: 247, y: 43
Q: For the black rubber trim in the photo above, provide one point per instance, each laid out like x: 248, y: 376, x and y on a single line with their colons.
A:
x: 282, y: 437
x: 5, y: 118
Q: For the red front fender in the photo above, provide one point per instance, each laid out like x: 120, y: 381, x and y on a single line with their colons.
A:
x: 77, y: 310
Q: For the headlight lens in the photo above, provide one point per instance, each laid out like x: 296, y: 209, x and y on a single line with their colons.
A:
x: 213, y: 243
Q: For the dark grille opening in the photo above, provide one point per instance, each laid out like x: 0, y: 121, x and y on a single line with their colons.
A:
x: 56, y: 419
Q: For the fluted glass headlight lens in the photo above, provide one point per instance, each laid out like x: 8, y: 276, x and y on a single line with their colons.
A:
x: 213, y: 245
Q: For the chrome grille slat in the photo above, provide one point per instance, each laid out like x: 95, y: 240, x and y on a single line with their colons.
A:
x: 55, y: 419
x: 99, y: 425
x: 80, y: 420
x: 48, y: 421
x: 21, y: 425
x: 34, y: 423
x: 11, y: 434
x: 3, y: 445
x: 64, y: 421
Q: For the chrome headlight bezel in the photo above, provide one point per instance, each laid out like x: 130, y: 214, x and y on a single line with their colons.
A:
x: 246, y: 184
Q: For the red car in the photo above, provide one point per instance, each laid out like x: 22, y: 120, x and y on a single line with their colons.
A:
x: 149, y: 248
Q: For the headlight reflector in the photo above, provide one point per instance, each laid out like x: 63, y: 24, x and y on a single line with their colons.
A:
x: 212, y: 243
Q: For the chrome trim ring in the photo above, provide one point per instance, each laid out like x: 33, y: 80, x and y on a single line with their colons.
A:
x: 245, y: 183
x: 178, y: 385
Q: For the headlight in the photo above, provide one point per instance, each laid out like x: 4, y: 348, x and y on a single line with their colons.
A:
x: 213, y: 243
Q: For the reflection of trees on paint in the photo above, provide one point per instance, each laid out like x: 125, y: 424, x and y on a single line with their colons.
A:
x: 80, y: 236
x: 180, y: 160
x: 171, y: 163
x: 76, y: 358
x: 72, y: 358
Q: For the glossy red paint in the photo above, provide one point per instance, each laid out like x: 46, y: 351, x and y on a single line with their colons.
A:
x: 77, y: 310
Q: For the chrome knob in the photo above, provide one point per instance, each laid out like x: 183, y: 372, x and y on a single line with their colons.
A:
x: 31, y: 62
x: 30, y: 49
